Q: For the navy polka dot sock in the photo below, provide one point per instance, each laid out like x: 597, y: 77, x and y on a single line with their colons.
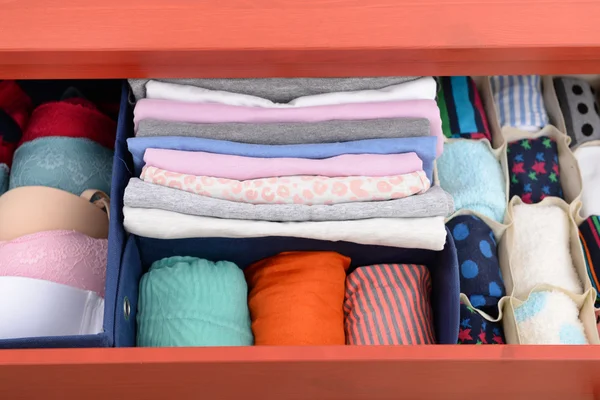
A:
x: 480, y: 276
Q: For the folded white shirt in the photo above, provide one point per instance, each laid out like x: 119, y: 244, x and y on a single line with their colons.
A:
x: 421, y: 233
x: 418, y: 89
x: 34, y: 307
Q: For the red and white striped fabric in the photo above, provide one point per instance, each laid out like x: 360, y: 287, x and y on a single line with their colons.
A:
x: 388, y: 304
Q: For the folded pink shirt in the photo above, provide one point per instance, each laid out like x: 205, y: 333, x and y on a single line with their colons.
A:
x: 243, y: 168
x: 169, y: 110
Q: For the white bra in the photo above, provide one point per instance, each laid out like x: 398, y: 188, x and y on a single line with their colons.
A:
x: 33, y: 307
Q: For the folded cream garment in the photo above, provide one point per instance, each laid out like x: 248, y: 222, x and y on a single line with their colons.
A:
x: 170, y: 110
x: 33, y: 308
x: 433, y: 203
x: 301, y: 189
x: 280, y: 90
x: 244, y: 168
x: 32, y: 209
x: 420, y: 233
x: 419, y: 89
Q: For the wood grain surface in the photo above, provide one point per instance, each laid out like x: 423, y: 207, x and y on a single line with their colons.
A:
x: 369, y: 373
x: 243, y: 38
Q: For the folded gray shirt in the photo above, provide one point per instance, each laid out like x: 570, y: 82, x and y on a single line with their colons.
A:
x: 290, y: 133
x: 435, y: 202
x: 279, y: 90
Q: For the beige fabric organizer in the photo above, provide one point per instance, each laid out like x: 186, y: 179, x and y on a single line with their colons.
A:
x: 570, y: 179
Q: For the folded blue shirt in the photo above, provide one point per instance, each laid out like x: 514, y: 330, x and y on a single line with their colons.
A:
x: 424, y: 146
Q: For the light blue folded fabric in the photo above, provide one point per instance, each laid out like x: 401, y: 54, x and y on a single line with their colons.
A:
x: 188, y: 301
x: 425, y: 147
x: 66, y: 163
x: 470, y: 172
x: 3, y: 178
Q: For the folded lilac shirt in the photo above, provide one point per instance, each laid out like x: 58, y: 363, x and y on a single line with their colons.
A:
x: 169, y: 110
x: 244, y: 168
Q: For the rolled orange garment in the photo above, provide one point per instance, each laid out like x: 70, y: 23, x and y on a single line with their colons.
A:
x: 296, y: 298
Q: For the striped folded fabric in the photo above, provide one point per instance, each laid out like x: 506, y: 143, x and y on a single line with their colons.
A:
x: 388, y: 304
x: 589, y: 234
x: 461, y: 109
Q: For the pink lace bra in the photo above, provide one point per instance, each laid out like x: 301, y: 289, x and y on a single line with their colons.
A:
x: 65, y: 257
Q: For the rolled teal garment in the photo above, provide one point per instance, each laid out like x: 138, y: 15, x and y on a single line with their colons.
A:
x: 472, y: 174
x: 3, y: 178
x: 188, y: 301
x: 70, y: 164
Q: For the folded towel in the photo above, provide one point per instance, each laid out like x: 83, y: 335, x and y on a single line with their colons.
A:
x: 480, y: 275
x: 279, y: 90
x: 295, y: 299
x: 549, y: 317
x: 461, y: 109
x: 290, y: 132
x: 188, y: 301
x: 420, y: 233
x: 579, y: 107
x: 149, y: 149
x: 217, y: 113
x: 470, y: 172
x: 474, y: 329
x: 588, y: 157
x: 519, y: 101
x: 589, y: 234
x: 541, y: 252
x: 418, y: 89
x: 388, y: 304
x: 244, y: 168
x: 434, y: 202
x: 318, y: 190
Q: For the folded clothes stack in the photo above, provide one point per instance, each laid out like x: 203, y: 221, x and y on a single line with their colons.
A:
x: 329, y: 159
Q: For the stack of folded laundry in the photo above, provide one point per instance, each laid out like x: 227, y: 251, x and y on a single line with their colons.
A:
x: 333, y: 159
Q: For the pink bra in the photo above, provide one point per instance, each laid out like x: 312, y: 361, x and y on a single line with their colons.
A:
x: 65, y: 257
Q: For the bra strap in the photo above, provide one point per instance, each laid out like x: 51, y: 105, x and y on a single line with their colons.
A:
x: 102, y: 200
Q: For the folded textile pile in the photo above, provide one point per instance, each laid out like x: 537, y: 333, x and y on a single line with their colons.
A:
x: 348, y: 159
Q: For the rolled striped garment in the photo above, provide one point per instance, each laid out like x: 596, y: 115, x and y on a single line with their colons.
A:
x: 388, y: 304
x: 519, y: 101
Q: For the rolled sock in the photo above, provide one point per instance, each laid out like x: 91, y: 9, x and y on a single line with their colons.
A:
x: 388, y: 304
x: 579, y: 107
x: 534, y: 170
x: 587, y: 158
x: 434, y: 202
x: 470, y: 172
x: 187, y: 301
x: 281, y: 90
x: 519, y: 101
x: 461, y: 109
x: 474, y: 329
x: 541, y: 251
x: 4, y: 170
x: 549, y: 317
x: 477, y: 253
x: 589, y: 234
x: 295, y: 299
x: 290, y: 132
x: 418, y: 89
x: 245, y: 168
x: 302, y: 189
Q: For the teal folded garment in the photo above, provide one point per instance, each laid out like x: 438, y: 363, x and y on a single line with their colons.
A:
x: 188, y: 301
x: 3, y: 178
x: 70, y: 164
x: 472, y: 174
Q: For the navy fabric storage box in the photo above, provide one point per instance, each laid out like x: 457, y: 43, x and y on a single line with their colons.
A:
x: 141, y: 252
x: 40, y: 91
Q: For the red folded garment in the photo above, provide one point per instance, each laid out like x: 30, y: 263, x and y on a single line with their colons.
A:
x: 15, y: 107
x: 73, y: 117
